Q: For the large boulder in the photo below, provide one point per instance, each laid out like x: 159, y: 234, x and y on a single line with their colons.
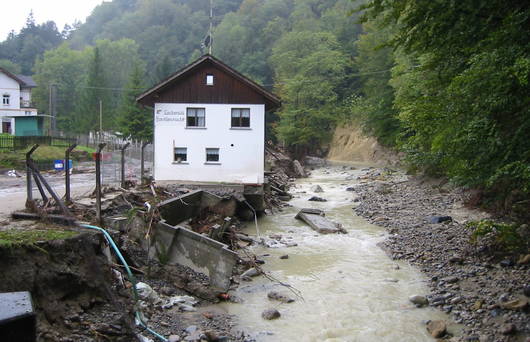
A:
x: 298, y: 169
x: 270, y: 314
x: 317, y: 188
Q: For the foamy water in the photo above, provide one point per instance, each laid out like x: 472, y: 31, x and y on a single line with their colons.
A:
x: 351, y: 290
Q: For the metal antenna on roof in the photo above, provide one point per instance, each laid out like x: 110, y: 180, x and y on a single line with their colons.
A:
x: 211, y: 26
x: 208, y: 39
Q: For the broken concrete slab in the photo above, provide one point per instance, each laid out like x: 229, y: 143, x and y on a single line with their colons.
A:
x: 181, y: 208
x: 17, y: 317
x: 178, y: 245
x: 316, y: 219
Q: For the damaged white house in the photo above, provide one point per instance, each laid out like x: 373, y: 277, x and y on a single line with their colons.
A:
x: 209, y: 124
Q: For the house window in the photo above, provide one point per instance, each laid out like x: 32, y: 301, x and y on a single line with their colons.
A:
x: 180, y: 154
x: 240, y: 117
x: 209, y: 79
x: 5, y: 100
x: 212, y: 155
x: 195, y: 117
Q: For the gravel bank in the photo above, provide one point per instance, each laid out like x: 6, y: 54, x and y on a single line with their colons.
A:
x: 485, y: 294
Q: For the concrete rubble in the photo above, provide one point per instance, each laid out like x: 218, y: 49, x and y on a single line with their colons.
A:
x: 315, y: 218
x: 182, y: 243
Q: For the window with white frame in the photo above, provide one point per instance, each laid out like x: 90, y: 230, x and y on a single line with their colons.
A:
x: 5, y: 99
x: 180, y: 154
x: 195, y: 117
x: 212, y: 155
x: 209, y: 79
x: 240, y: 117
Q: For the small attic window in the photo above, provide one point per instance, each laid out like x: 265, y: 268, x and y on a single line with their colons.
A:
x: 209, y: 79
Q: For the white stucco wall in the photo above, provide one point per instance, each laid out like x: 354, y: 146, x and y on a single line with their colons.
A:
x: 11, y: 87
x: 241, y: 151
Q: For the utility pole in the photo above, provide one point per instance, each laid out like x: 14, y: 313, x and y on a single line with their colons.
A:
x: 100, y: 119
x: 52, y: 107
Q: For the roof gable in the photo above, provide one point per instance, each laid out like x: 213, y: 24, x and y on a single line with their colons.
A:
x: 24, y: 81
x: 188, y: 85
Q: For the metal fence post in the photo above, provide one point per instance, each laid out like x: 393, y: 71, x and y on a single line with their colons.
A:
x: 98, y: 184
x: 67, y: 174
x: 123, y: 164
x: 142, y: 162
x: 29, y: 174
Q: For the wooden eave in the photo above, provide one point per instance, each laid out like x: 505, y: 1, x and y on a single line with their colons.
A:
x: 149, y: 97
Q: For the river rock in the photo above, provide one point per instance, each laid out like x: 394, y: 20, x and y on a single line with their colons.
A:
x: 477, y: 305
x: 281, y: 297
x: 456, y: 259
x: 506, y: 263
x: 270, y: 314
x: 251, y: 272
x: 317, y: 188
x: 437, y: 328
x: 317, y: 199
x: 439, y: 219
x: 451, y: 280
x: 284, y: 257
x: 526, y: 290
x: 517, y: 304
x: 524, y: 259
x: 419, y: 300
x: 167, y: 291
x: 191, y: 329
x: 173, y: 338
x: 508, y: 329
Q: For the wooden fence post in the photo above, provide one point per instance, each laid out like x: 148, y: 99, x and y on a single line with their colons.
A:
x: 99, y: 218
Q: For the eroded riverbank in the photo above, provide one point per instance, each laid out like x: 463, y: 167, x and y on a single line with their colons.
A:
x: 351, y: 290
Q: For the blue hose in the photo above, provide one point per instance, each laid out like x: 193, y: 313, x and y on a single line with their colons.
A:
x: 131, y: 278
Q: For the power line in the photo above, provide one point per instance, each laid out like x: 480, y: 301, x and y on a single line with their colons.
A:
x: 264, y: 85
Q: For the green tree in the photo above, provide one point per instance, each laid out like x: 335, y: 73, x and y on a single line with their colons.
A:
x: 309, y: 67
x: 65, y: 69
x: 374, y: 62
x: 135, y: 121
x: 465, y: 106
x: 24, y: 48
x: 93, y: 92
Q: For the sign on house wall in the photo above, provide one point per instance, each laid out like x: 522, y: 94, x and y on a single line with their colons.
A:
x: 168, y: 117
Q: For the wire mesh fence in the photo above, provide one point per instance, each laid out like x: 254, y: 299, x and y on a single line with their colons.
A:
x: 111, y: 169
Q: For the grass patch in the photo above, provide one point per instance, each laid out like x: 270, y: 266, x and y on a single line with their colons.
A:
x: 14, y: 237
x: 85, y: 148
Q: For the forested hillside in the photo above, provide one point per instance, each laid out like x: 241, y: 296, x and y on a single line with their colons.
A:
x: 447, y: 83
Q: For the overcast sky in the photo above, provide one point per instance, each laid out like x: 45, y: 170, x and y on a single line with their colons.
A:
x: 14, y: 13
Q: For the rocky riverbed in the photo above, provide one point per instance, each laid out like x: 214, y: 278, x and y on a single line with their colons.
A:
x: 426, y: 224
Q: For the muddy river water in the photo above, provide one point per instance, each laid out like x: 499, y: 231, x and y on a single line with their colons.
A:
x: 351, y: 290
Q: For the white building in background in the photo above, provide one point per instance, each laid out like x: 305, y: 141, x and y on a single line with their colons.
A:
x: 209, y: 124
x: 15, y: 93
